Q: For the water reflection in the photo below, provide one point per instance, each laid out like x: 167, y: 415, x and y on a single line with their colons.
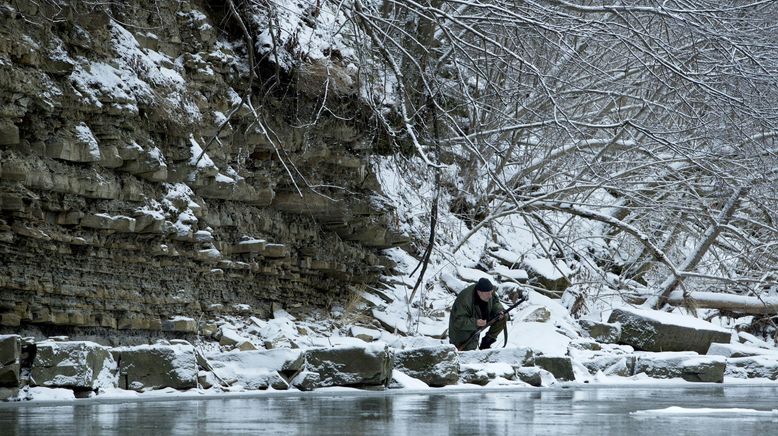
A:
x: 591, y: 411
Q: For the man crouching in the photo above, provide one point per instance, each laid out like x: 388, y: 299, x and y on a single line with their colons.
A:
x: 472, y: 309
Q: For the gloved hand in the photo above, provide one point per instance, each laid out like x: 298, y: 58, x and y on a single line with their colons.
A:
x: 486, y: 343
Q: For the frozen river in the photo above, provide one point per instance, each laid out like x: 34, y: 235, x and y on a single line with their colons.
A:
x: 562, y: 411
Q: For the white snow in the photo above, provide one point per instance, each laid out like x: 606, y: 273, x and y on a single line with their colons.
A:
x: 407, y: 381
x: 547, y: 268
x: 542, y: 337
x: 473, y: 275
x: 46, y: 394
x: 727, y: 350
x: 519, y: 275
x: 84, y: 134
x: 677, y: 410
x: 195, y: 150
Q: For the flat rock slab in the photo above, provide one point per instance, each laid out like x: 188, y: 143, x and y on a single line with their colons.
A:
x: 652, y: 330
x: 739, y: 350
x: 513, y: 356
x: 437, y: 366
x: 345, y: 366
x: 156, y: 366
x: 75, y: 365
x: 686, y: 365
x: 765, y: 366
x: 10, y: 353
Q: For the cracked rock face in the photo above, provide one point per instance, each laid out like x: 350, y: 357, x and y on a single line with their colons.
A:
x: 134, y: 186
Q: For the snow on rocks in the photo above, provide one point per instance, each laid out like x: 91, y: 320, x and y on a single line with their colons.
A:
x: 651, y: 330
x: 601, y: 331
x: 535, y: 376
x: 518, y: 275
x: 80, y: 365
x: 550, y: 275
x: 346, y: 366
x: 259, y: 369
x: 145, y: 367
x: 763, y: 367
x: 336, y: 353
x: 436, y: 366
x: 401, y: 380
x: 607, y: 359
x: 740, y: 350
x: 180, y: 324
x: 470, y: 275
x: 231, y: 338
x: 514, y: 356
x: 483, y: 374
x: 473, y: 374
x: 365, y: 334
x: 686, y: 365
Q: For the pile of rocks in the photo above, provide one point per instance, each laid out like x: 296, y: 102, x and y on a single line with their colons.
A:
x: 636, y: 342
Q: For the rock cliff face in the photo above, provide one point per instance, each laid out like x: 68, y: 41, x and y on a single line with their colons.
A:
x: 111, y: 214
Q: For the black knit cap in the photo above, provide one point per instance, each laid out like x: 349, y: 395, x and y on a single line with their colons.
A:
x: 484, y: 285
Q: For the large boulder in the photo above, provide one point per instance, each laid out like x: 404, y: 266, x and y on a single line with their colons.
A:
x: 258, y: 369
x: 345, y: 366
x: 560, y: 366
x: 145, y: 367
x: 765, y: 366
x: 686, y: 365
x: 10, y: 353
x: 437, y: 366
x: 651, y: 330
x: 80, y: 365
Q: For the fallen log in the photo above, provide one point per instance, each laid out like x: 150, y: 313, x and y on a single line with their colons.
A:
x: 730, y: 302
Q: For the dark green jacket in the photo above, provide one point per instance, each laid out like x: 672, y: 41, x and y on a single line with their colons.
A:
x: 465, y: 312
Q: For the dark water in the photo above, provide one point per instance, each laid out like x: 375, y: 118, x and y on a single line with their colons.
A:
x: 572, y: 411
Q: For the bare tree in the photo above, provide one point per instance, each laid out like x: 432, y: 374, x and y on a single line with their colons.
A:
x: 655, y: 119
x: 654, y: 122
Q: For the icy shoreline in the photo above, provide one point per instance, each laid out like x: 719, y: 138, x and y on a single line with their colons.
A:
x: 165, y: 396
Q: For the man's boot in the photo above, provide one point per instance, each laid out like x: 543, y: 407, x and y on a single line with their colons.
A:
x: 486, y: 343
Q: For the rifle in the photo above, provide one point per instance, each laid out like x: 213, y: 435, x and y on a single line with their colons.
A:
x: 477, y: 333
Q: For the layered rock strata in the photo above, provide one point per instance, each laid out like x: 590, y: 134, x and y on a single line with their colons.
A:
x: 137, y: 183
